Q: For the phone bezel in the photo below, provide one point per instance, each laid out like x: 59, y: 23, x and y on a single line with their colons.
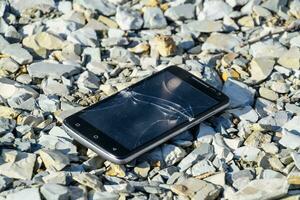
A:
x: 113, y: 148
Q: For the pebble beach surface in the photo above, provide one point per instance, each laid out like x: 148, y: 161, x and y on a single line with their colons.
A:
x: 57, y: 57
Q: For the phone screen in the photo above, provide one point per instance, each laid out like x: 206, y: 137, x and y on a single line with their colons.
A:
x: 143, y: 112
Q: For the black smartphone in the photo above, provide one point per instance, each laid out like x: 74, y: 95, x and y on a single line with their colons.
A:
x: 146, y: 114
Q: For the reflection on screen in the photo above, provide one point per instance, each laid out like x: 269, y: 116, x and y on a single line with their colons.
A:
x: 137, y: 115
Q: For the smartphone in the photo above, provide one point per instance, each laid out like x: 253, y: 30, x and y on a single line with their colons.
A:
x: 148, y: 113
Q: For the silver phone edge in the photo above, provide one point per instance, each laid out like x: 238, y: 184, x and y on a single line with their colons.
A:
x: 102, y: 152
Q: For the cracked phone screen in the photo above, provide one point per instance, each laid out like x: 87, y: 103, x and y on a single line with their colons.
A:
x: 141, y: 113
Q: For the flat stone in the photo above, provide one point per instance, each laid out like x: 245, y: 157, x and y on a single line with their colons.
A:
x: 56, y: 143
x: 88, y: 180
x: 239, y: 93
x: 8, y: 112
x: 59, y: 132
x: 181, y: 12
x: 85, y: 36
x: 280, y: 87
x: 270, y: 148
x: 172, y: 154
x: 268, y: 94
x: 9, y: 65
x: 48, y: 104
x: 56, y: 177
x: 214, y: 10
x: 61, y: 27
x: 248, y: 154
x: 142, y: 169
x: 6, y: 125
x: 52, y: 191
x: 204, y: 26
x: 53, y: 87
x: 28, y: 193
x: 262, y: 189
x: 261, y: 68
x: 20, y: 168
x: 123, y: 55
x: 220, y: 42
x: 20, y: 6
x: 245, y: 113
x: 196, y: 189
x: 48, y: 41
x: 54, y: 70
x: 290, y: 59
x: 53, y: 159
x: 165, y: 45
x: 204, y: 151
x: 269, y: 174
x: 17, y: 53
x: 154, y: 18
x: 205, y: 133
x: 202, y: 167
x: 128, y: 19
x: 103, y: 6
x: 88, y: 82
x: 267, y: 49
x: 97, y: 195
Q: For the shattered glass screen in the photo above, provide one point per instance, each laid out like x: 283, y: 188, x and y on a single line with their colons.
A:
x: 139, y: 114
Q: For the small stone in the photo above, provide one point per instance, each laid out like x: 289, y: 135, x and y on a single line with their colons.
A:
x: 294, y: 9
x: 53, y: 87
x: 79, y: 192
x: 116, y: 170
x: 290, y: 140
x: 56, y: 177
x: 48, y: 104
x: 220, y: 42
x: 43, y: 69
x: 269, y: 174
x: 172, y: 154
x: 123, y: 55
x: 9, y: 65
x: 268, y: 94
x: 267, y: 49
x: 280, y: 87
x: 204, y: 26
x: 55, y: 143
x: 128, y: 19
x: 181, y: 12
x: 202, y: 167
x: 8, y: 112
x: 205, y: 133
x: 214, y: 10
x: 88, y: 82
x: 262, y: 189
x: 109, y: 22
x: 20, y: 6
x: 27, y: 193
x: 20, y: 168
x: 217, y: 179
x: 248, y: 154
x: 245, y: 113
x: 239, y: 93
x: 103, y: 6
x: 246, y: 21
x: 89, y: 180
x: 120, y: 187
x: 104, y: 195
x: 204, y: 151
x: 196, y: 189
x: 5, y: 182
x: 165, y: 45
x: 48, y: 41
x: 270, y: 148
x: 154, y: 18
x: 52, y: 191
x: 17, y: 53
x: 85, y: 37
x: 59, y: 132
x: 54, y: 160
x: 140, y: 48
x: 142, y: 169
x: 256, y: 139
x: 291, y: 58
x: 261, y: 68
x: 6, y: 125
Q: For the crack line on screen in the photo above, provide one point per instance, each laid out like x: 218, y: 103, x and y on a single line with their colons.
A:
x: 171, y: 111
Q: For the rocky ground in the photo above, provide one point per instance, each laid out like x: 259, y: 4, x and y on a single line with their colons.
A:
x: 58, y: 57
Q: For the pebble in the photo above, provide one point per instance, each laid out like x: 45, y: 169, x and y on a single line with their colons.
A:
x: 262, y: 189
x: 239, y: 93
x: 17, y: 53
x: 103, y: 6
x: 27, y: 193
x: 20, y: 168
x: 128, y: 19
x: 165, y: 45
x: 290, y: 59
x: 88, y: 82
x: 267, y: 49
x: 195, y: 27
x: 181, y: 12
x: 203, y: 167
x: 245, y: 113
x: 247, y: 153
x: 197, y: 189
x: 268, y: 94
x: 9, y: 65
x: 154, y: 18
x: 48, y: 41
x: 172, y: 154
x: 220, y: 42
x: 54, y: 160
x: 142, y: 169
x: 261, y: 68
x: 88, y: 180
x: 85, y: 36
x: 280, y: 87
x: 52, y: 191
x: 54, y: 70
x: 214, y: 10
x: 48, y: 104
